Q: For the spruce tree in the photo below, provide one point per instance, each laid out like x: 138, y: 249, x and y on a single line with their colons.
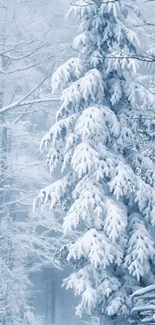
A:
x: 105, y: 191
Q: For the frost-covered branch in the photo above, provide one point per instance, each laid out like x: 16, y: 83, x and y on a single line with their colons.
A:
x: 22, y: 102
x: 30, y: 102
x: 27, y: 67
x: 21, y: 57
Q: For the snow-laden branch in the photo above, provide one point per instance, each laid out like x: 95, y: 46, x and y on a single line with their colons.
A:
x: 142, y: 291
x: 87, y: 3
x: 149, y: 320
x: 143, y: 308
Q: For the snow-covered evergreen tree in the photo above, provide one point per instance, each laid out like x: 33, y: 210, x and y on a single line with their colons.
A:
x: 106, y: 191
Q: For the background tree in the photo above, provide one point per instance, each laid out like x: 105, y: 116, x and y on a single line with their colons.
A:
x: 26, y: 55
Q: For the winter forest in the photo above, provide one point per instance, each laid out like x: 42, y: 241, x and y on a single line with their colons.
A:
x: 77, y: 162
